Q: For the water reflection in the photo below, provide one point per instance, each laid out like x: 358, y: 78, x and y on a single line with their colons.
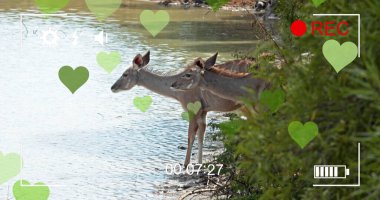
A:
x: 95, y: 143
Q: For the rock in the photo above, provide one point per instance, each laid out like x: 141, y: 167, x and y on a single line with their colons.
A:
x: 182, y: 147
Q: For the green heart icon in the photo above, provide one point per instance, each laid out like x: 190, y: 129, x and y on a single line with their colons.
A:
x: 73, y: 79
x: 318, y: 2
x: 302, y: 134
x: 339, y: 56
x: 194, y: 107
x: 10, y: 166
x: 103, y: 9
x: 51, y: 6
x: 216, y: 4
x: 142, y: 103
x: 109, y: 61
x: 38, y: 191
x: 187, y: 116
x: 154, y: 23
x: 272, y: 99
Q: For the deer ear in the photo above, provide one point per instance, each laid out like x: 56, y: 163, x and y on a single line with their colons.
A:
x: 211, y: 61
x: 141, y: 61
x: 146, y: 58
x: 138, y: 61
x: 199, y: 63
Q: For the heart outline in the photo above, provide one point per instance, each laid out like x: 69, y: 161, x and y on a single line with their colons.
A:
x: 194, y: 107
x: 318, y: 2
x: 142, y: 103
x: 102, y: 10
x: 154, y: 23
x: 192, y: 110
x: 10, y: 166
x: 49, y: 7
x: 23, y: 190
x: 339, y: 55
x: 303, y: 134
x: 73, y: 79
x: 272, y: 99
x: 108, y: 60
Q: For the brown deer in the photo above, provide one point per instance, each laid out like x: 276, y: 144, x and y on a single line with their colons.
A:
x: 219, y: 80
x: 139, y: 75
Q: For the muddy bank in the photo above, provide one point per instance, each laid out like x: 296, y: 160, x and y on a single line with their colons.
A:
x: 196, y: 186
x: 234, y: 5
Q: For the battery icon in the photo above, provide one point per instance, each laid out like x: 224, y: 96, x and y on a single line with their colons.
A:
x: 331, y: 171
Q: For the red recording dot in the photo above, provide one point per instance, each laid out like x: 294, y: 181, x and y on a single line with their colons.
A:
x: 298, y: 28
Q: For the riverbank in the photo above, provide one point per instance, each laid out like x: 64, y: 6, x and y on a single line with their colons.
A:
x: 235, y: 5
x: 197, y: 186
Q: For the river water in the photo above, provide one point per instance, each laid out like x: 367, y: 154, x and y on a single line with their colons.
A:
x: 96, y: 144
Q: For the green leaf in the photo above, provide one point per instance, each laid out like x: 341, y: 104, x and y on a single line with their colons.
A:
x: 272, y: 99
x: 230, y: 127
x: 216, y: 4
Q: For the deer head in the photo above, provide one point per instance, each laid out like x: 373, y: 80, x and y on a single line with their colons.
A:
x: 130, y: 76
x: 193, y: 75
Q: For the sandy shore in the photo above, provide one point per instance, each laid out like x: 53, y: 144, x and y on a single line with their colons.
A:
x: 234, y: 5
x: 196, y: 186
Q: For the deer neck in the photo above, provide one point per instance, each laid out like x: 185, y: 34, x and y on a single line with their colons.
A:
x: 231, y: 88
x: 157, y: 83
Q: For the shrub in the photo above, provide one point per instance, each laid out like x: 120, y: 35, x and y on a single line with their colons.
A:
x: 264, y: 162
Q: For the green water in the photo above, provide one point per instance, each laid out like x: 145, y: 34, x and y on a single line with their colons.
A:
x: 96, y: 143
x: 196, y: 31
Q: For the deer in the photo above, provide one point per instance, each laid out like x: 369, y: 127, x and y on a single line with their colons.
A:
x: 221, y: 81
x: 139, y: 75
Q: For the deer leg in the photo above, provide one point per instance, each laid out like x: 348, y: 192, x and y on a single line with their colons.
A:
x: 193, y: 126
x: 201, y: 133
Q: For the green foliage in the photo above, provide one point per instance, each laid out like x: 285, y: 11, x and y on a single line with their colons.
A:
x: 272, y: 99
x: 216, y: 4
x: 264, y: 162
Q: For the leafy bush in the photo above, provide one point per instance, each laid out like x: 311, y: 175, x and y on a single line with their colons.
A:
x: 264, y: 162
